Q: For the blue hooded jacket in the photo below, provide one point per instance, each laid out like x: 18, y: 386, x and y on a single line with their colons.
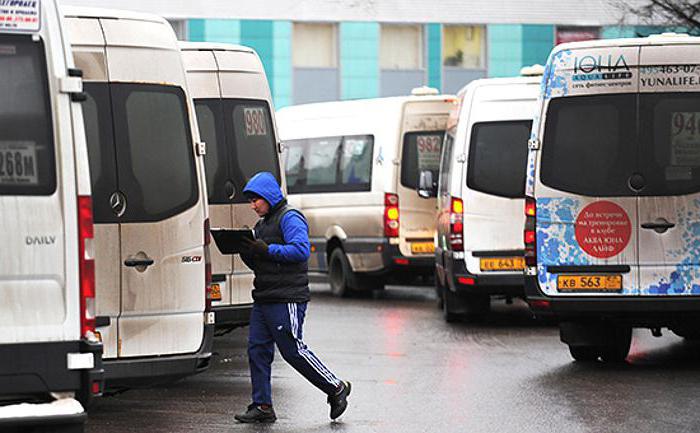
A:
x: 295, y: 230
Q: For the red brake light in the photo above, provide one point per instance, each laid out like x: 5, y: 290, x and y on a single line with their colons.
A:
x: 456, y: 224
x: 207, y: 266
x: 86, y: 267
x: 466, y: 281
x: 391, y: 215
x: 530, y: 233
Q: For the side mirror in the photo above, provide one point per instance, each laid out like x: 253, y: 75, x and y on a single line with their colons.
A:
x: 427, y: 187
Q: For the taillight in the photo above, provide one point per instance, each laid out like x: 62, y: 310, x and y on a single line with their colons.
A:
x: 391, y: 215
x: 529, y: 234
x: 207, y: 266
x: 86, y: 266
x: 456, y: 224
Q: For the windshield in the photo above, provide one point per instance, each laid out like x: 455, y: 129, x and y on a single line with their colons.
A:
x: 421, y: 152
x: 27, y: 161
x: 498, y: 156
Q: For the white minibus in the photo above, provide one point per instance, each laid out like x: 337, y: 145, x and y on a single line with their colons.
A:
x: 353, y: 168
x: 235, y: 117
x: 49, y: 352
x: 149, y: 197
x: 613, y: 193
x: 479, y: 250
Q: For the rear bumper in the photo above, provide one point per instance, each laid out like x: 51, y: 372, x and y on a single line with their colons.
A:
x: 36, y: 369
x: 159, y: 369
x: 645, y: 311
x: 232, y: 316
x: 397, y: 263
x: 455, y: 269
x: 48, y: 424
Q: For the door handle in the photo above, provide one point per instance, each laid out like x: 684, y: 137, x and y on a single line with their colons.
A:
x: 659, y: 226
x: 133, y: 263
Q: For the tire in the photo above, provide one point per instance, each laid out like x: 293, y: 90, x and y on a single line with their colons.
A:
x: 448, y: 301
x: 477, y: 306
x: 619, y: 347
x: 340, y: 274
x: 439, y: 293
x: 584, y: 353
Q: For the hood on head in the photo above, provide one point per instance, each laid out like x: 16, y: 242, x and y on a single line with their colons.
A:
x: 265, y: 185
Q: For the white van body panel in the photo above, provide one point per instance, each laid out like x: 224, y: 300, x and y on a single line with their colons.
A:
x: 491, y: 223
x: 360, y: 214
x: 39, y: 278
x: 661, y: 264
x: 229, y: 72
x: 156, y: 311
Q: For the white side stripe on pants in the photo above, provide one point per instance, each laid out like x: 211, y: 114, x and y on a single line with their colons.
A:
x: 304, y: 352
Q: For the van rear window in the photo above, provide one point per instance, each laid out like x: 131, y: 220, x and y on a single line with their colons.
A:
x: 27, y: 160
x: 589, y: 144
x: 421, y: 152
x: 240, y: 143
x: 329, y: 164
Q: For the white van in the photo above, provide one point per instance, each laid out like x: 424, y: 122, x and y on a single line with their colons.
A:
x: 48, y: 346
x: 613, y: 193
x: 149, y: 197
x: 353, y: 168
x: 236, y: 120
x: 479, y: 249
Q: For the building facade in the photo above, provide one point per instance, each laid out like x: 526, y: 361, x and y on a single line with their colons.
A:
x: 321, y: 50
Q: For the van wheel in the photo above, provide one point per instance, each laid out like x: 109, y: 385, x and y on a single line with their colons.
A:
x: 339, y: 273
x: 449, y: 300
x: 439, y: 293
x: 477, y: 306
x: 619, y: 346
x: 584, y: 353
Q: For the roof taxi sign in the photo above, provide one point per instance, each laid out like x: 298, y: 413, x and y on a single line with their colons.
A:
x: 20, y: 15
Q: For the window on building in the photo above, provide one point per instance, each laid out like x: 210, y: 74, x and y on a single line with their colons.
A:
x: 315, y: 45
x: 180, y: 28
x: 576, y: 34
x: 401, y: 47
x: 463, y: 46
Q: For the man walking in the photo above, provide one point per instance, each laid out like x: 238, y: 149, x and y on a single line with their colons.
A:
x: 279, y: 257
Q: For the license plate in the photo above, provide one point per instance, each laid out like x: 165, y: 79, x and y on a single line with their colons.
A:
x: 589, y: 283
x: 502, y: 264
x: 216, y: 291
x: 422, y: 247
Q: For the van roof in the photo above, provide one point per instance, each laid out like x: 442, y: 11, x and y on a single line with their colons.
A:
x: 499, y: 82
x: 358, y: 106
x: 216, y: 46
x: 658, y: 39
x: 88, y: 12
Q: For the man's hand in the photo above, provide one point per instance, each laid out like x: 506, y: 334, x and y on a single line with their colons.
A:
x: 257, y: 247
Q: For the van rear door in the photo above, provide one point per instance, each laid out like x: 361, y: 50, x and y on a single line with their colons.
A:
x: 422, y: 132
x: 39, y: 259
x: 498, y: 131
x: 586, y: 210
x: 669, y: 203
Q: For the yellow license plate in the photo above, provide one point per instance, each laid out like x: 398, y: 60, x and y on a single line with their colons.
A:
x: 502, y: 264
x: 216, y: 292
x: 589, y: 283
x: 422, y: 247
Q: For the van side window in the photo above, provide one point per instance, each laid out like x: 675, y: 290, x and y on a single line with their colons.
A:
x: 27, y: 159
x: 498, y: 158
x: 446, y: 162
x: 329, y: 164
x: 421, y: 152
x: 589, y: 145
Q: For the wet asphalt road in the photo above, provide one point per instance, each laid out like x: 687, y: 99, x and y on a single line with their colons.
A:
x: 412, y: 372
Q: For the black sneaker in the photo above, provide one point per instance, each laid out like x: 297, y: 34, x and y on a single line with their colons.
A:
x: 339, y: 400
x: 256, y: 413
